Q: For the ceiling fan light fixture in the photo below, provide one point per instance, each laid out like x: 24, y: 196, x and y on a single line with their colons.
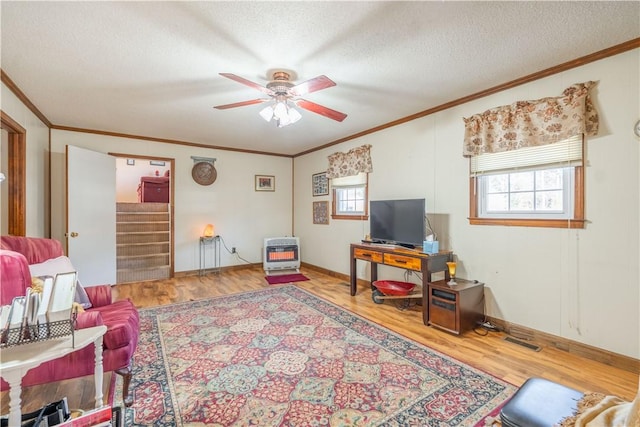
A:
x: 267, y: 113
x: 294, y: 115
x: 280, y: 110
x: 283, y: 120
x: 282, y: 90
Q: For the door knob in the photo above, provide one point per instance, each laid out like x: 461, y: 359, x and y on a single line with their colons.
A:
x: 74, y: 234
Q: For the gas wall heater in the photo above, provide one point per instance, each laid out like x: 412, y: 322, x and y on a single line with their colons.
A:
x: 281, y: 253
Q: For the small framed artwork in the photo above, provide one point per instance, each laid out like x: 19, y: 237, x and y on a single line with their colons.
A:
x: 320, y: 184
x: 265, y: 183
x: 321, y: 212
x: 131, y: 162
x: 156, y: 162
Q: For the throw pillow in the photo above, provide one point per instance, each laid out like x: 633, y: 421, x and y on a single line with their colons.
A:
x: 62, y: 264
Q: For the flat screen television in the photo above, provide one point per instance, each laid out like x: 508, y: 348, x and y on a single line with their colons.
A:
x: 399, y: 222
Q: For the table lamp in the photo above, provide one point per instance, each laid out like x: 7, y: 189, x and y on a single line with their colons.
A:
x: 452, y: 273
x: 208, y: 231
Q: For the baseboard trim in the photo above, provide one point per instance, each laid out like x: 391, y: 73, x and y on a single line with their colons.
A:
x: 331, y: 273
x: 345, y: 277
x: 221, y: 270
x: 544, y: 339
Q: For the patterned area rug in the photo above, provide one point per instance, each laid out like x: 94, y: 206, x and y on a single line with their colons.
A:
x: 283, y: 357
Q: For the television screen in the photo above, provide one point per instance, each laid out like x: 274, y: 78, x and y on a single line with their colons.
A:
x: 400, y: 222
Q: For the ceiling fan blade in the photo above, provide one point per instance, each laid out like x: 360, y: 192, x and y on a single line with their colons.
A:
x: 319, y: 109
x: 315, y: 84
x: 247, y: 82
x: 240, y: 104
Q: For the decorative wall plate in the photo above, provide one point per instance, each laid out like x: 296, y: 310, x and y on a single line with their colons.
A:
x: 204, y: 173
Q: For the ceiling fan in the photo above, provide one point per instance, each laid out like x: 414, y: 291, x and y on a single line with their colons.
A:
x: 283, y: 93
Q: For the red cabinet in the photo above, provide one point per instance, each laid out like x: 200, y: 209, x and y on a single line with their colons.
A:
x: 154, y: 189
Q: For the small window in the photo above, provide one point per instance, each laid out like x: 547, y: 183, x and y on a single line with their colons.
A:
x: 545, y: 193
x: 350, y: 197
x: 534, y: 186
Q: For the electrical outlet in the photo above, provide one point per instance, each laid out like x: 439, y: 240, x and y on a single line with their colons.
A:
x: 233, y: 250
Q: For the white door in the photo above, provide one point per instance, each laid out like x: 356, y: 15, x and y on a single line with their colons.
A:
x: 91, y: 215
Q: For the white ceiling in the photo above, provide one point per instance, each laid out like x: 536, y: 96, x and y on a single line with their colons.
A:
x: 151, y: 68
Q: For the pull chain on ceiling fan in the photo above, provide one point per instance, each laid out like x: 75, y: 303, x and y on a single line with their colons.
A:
x: 284, y: 95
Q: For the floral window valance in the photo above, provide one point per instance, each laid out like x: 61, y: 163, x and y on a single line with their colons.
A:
x: 351, y: 163
x: 532, y: 123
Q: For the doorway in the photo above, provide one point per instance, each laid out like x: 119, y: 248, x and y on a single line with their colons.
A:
x: 14, y: 185
x: 144, y: 212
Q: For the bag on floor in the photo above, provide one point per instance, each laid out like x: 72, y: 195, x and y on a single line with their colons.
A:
x: 51, y: 414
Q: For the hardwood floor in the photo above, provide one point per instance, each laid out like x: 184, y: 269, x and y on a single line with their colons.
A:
x: 490, y: 353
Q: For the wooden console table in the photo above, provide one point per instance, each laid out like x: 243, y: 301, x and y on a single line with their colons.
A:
x: 402, y: 258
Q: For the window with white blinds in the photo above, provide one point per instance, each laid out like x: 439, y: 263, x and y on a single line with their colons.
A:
x: 349, y: 181
x: 562, y: 154
x: 532, y: 183
x: 350, y: 200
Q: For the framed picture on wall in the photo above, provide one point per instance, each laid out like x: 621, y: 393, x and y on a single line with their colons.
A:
x: 265, y: 183
x: 321, y: 212
x: 320, y: 184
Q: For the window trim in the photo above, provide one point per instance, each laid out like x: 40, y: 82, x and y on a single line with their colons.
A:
x: 578, y: 220
x: 359, y: 217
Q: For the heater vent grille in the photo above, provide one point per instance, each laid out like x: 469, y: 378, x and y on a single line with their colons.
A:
x: 281, y: 253
x: 281, y: 241
x: 522, y: 343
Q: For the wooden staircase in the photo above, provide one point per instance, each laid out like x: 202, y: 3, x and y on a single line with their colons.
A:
x: 143, y: 242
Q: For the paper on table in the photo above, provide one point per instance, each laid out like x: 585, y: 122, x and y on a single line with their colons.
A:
x: 27, y: 308
x: 4, y: 315
x: 33, y: 304
x: 61, y: 300
x: 17, y: 312
x: 47, y: 288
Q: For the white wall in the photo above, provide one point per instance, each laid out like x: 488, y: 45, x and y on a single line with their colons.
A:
x: 128, y: 177
x: 242, y: 216
x: 578, y: 284
x: 37, y: 174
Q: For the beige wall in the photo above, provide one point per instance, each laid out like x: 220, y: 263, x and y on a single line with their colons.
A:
x: 578, y: 284
x: 242, y: 216
x: 37, y: 194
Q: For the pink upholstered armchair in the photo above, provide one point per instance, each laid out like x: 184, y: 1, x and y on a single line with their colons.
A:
x: 17, y: 254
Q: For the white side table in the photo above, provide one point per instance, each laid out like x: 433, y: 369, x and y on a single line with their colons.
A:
x: 16, y: 361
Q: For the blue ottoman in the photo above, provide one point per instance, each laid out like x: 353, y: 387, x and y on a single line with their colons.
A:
x: 539, y: 403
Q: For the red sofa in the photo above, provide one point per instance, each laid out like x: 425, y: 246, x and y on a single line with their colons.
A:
x: 120, y: 317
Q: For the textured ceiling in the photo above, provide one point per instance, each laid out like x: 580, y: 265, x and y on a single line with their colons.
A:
x: 151, y: 68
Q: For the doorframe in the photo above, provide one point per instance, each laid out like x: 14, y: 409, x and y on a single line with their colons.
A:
x: 172, y: 180
x: 16, y: 175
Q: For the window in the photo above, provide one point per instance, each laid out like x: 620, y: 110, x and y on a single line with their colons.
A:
x: 535, y: 186
x: 350, y: 197
x: 523, y: 194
